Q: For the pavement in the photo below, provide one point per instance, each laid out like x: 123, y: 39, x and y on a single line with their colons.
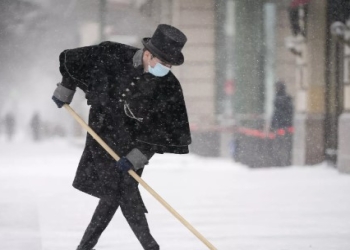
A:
x: 234, y: 207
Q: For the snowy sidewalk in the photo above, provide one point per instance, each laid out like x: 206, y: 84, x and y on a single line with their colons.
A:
x: 234, y: 207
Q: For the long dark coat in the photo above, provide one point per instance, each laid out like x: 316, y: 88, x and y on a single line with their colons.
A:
x: 283, y: 112
x: 129, y: 109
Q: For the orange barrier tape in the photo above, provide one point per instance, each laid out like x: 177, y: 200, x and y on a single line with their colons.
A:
x: 245, y: 131
x: 262, y: 134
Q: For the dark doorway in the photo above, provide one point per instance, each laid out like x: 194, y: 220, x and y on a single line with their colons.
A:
x: 338, y: 10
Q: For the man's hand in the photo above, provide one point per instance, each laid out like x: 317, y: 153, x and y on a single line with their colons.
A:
x: 58, y: 102
x: 124, y: 164
x: 134, y: 160
x: 62, y: 95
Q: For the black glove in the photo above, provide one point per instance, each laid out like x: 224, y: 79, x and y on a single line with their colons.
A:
x: 134, y: 160
x: 62, y: 95
x: 124, y: 164
x: 59, y: 103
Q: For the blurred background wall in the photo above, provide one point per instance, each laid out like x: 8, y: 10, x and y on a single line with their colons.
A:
x: 237, y: 50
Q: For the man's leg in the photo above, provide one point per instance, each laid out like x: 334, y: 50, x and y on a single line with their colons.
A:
x: 103, y: 215
x: 138, y: 223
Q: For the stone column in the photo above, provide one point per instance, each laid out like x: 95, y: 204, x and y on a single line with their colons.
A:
x: 308, y: 145
x: 196, y: 18
x: 343, y: 162
x: 249, y: 61
x: 249, y: 65
x: 224, y: 73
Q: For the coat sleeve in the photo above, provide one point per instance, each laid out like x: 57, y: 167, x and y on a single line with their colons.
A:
x: 76, y: 66
x: 79, y: 66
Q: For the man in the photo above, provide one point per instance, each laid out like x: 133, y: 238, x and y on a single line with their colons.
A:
x: 138, y: 109
x: 283, y: 108
x: 282, y: 120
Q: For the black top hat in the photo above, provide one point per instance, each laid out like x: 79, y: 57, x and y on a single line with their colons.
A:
x: 166, y: 44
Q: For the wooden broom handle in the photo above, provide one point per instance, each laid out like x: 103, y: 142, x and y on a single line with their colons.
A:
x: 139, y: 179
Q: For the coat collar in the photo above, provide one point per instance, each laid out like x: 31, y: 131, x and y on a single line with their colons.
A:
x: 137, y: 62
x: 137, y: 59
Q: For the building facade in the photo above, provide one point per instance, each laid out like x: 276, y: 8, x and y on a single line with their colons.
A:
x: 320, y: 64
x: 238, y: 49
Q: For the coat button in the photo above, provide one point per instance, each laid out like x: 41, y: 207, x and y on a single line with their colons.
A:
x: 127, y: 90
x: 123, y: 94
x: 132, y: 83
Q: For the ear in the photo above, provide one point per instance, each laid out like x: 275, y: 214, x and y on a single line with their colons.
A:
x: 147, y: 53
x: 145, y: 59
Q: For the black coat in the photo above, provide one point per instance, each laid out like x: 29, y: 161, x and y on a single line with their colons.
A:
x: 129, y: 109
x: 283, y: 112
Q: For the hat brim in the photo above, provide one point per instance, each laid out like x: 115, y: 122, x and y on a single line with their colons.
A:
x: 175, y: 60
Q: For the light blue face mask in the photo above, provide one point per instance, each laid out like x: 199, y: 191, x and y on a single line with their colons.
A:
x: 158, y: 70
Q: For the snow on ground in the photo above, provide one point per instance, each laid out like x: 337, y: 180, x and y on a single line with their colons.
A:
x: 234, y: 207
